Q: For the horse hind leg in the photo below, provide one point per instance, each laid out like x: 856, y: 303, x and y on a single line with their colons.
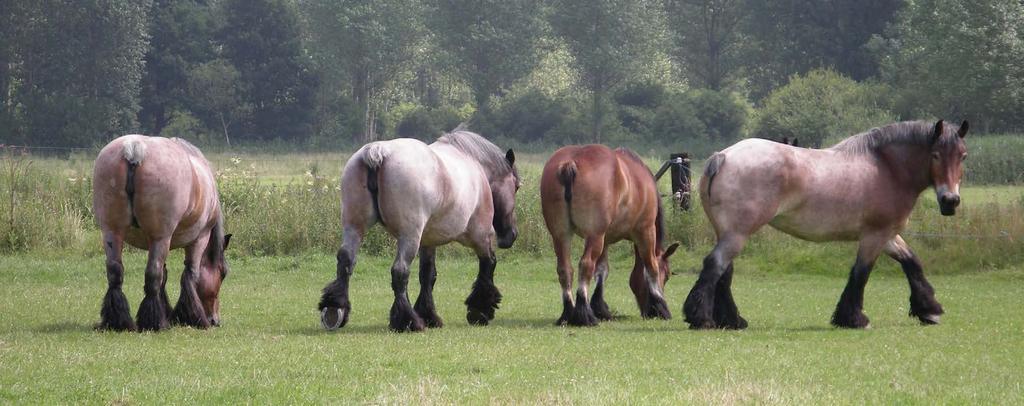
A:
x: 726, y: 315
x: 425, y: 302
x: 403, y: 316
x: 115, y: 313
x: 583, y: 314
x: 563, y: 251
x: 922, y: 296
x: 699, y: 306
x: 334, y: 305
x: 657, y: 307
x: 153, y: 311
x: 597, y: 302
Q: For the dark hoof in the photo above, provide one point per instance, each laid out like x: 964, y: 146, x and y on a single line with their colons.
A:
x: 601, y: 311
x: 477, y: 317
x: 739, y: 324
x: 405, y: 319
x: 702, y: 325
x: 429, y: 315
x: 856, y: 320
x: 115, y: 314
x: 582, y: 316
x: 657, y: 308
x: 929, y: 319
x: 333, y: 318
x: 152, y: 315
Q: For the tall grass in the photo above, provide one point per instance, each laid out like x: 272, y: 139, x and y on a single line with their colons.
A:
x: 287, y: 205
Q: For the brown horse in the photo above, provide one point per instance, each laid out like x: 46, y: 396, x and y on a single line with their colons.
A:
x: 605, y: 196
x: 159, y: 194
x: 862, y: 189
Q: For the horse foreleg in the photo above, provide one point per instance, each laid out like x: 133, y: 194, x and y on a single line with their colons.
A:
x: 850, y: 309
x: 656, y: 305
x: 334, y: 305
x: 189, y: 311
x: 725, y: 313
x: 582, y: 314
x: 700, y: 303
x: 597, y: 302
x: 484, y: 299
x: 425, y: 302
x: 115, y: 314
x: 403, y: 317
x: 153, y: 310
x: 922, y: 296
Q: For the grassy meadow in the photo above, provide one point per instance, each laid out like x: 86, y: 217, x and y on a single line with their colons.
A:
x: 283, y: 210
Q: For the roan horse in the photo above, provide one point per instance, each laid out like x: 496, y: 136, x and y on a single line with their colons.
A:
x: 605, y: 196
x: 159, y: 194
x: 863, y: 189
x: 460, y: 188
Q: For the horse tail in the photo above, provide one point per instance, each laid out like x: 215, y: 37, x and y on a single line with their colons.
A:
x: 373, y: 157
x: 133, y: 151
x: 711, y: 169
x: 566, y: 175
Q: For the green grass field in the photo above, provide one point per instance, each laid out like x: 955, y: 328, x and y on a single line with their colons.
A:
x: 272, y: 350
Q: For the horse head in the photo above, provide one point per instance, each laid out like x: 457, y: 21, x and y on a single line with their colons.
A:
x: 503, y: 193
x: 212, y: 271
x: 948, y: 153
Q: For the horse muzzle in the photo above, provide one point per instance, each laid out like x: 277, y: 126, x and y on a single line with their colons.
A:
x: 507, y: 239
x: 948, y: 203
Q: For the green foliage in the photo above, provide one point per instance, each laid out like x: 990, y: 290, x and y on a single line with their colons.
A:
x: 77, y: 67
x: 954, y: 59
x: 782, y: 38
x: 610, y: 41
x: 262, y: 40
x: 180, y: 33
x: 821, y: 104
x: 678, y: 117
x: 722, y: 114
x: 531, y: 116
x: 706, y: 35
x: 427, y: 124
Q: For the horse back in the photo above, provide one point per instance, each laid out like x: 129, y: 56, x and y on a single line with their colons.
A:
x: 173, y: 190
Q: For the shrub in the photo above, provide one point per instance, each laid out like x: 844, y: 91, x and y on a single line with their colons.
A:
x: 426, y: 123
x: 531, y: 116
x: 647, y: 94
x: 677, y: 117
x: 820, y: 104
x: 722, y: 114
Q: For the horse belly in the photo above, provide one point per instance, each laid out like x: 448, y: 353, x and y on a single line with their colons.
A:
x: 817, y: 227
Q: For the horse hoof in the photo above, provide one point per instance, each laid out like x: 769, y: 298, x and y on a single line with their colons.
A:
x: 705, y: 325
x: 477, y: 318
x: 929, y: 320
x: 332, y: 318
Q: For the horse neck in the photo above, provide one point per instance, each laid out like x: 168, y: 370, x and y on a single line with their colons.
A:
x: 910, y: 165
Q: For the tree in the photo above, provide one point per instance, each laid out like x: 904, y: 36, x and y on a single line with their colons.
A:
x: 78, y: 66
x: 262, y: 40
x: 181, y: 34
x: 788, y: 37
x: 491, y: 43
x: 214, y: 87
x: 372, y: 41
x: 706, y: 33
x: 954, y: 60
x: 610, y: 41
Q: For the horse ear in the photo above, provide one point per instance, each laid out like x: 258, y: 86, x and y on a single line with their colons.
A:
x: 938, y: 131
x: 963, y: 129
x: 227, y: 240
x: 510, y: 157
x: 670, y: 250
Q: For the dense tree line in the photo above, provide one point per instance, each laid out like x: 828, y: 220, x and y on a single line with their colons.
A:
x: 341, y: 72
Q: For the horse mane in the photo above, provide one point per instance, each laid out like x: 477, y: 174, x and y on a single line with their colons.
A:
x: 659, y: 222
x: 903, y: 133
x: 479, y: 148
